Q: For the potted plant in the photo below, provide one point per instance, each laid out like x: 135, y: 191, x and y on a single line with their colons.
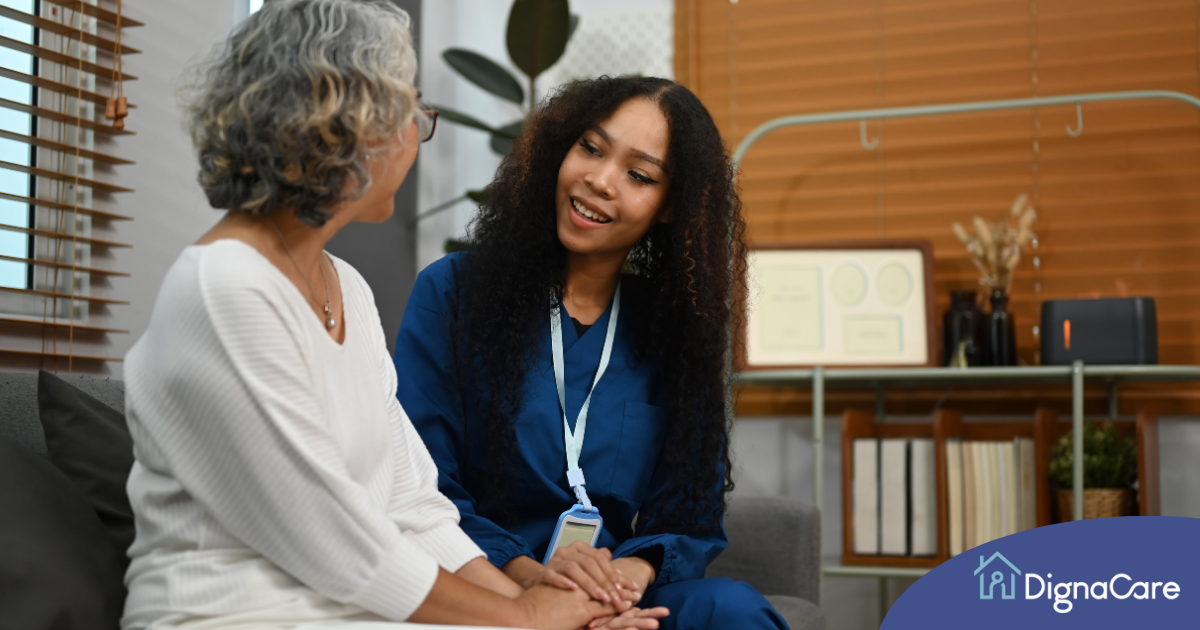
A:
x: 1109, y: 472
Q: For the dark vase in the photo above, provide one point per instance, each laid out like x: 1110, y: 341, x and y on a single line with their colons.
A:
x: 1002, y: 335
x: 963, y: 325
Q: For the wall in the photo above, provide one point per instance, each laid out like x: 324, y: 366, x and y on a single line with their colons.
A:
x: 169, y: 209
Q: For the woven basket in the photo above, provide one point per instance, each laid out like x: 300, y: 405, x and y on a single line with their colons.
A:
x: 1097, y: 503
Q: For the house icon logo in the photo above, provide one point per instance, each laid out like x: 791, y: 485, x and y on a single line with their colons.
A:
x: 997, y: 577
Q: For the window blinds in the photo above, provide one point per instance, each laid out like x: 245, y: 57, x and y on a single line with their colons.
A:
x: 1119, y: 206
x: 60, y: 317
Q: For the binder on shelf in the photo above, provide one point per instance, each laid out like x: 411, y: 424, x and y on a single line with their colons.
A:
x: 970, y: 496
x: 923, y: 488
x: 893, y: 496
x: 866, y: 496
x: 858, y: 424
x: 954, y: 495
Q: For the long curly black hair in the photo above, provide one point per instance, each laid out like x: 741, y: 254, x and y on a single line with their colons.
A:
x: 690, y: 269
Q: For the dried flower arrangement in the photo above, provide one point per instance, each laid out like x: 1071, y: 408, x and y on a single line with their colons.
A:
x: 996, y: 248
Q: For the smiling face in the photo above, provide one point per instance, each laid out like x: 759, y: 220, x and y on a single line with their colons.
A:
x: 613, y: 181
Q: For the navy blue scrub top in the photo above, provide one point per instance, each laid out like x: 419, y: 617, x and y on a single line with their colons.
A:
x: 626, y: 428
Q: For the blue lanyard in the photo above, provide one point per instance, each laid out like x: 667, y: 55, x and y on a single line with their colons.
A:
x: 573, y: 441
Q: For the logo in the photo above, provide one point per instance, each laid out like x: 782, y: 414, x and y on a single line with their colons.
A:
x: 998, y: 577
x: 1131, y: 572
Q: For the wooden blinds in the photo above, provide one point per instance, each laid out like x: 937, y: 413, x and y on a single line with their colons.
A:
x: 1119, y: 206
x: 59, y: 180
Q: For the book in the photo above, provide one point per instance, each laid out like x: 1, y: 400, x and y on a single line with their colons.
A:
x: 1008, y: 455
x: 983, y: 487
x: 1025, y: 483
x: 893, y: 497
x: 866, y: 496
x: 923, y: 498
x: 954, y: 495
x: 970, y: 496
x: 1003, y: 508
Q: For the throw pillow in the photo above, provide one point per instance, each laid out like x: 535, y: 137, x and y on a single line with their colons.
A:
x: 59, y: 569
x: 90, y: 443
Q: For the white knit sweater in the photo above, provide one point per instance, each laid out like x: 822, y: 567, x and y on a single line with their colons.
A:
x: 277, y: 479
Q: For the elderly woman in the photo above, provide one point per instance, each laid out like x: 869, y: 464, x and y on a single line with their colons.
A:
x: 278, y: 482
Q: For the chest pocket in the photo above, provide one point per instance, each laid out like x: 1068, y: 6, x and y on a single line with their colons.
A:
x: 643, y: 429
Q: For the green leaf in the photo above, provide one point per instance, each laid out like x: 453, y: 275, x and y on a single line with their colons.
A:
x: 453, y: 245
x: 485, y: 73
x: 462, y: 119
x: 502, y: 139
x: 479, y: 196
x: 537, y: 34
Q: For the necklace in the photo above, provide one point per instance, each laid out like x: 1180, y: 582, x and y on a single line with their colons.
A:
x: 330, y: 322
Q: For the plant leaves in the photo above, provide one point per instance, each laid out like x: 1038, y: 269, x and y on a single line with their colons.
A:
x: 537, y: 34
x: 462, y: 119
x: 453, y: 245
x: 502, y: 139
x: 485, y: 73
x: 479, y: 196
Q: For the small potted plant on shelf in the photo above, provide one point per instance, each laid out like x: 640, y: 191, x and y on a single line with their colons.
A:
x: 1109, y: 472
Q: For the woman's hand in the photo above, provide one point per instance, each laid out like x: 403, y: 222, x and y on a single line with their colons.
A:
x: 638, y: 570
x: 549, y: 608
x: 579, y: 566
x: 642, y: 619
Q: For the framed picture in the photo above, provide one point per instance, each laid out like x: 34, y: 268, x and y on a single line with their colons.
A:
x: 863, y: 303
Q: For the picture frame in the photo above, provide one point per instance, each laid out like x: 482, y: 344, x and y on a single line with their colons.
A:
x: 866, y: 303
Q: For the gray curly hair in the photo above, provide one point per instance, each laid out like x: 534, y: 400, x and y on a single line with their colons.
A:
x: 286, y: 111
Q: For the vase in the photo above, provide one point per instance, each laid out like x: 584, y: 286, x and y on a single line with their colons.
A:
x: 963, y: 339
x: 1002, y: 337
x: 1097, y: 503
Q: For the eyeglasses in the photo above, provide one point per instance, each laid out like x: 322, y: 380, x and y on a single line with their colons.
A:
x: 426, y: 120
x: 426, y: 123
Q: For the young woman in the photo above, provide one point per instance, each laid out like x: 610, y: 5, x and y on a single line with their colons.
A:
x: 601, y: 275
x: 277, y: 481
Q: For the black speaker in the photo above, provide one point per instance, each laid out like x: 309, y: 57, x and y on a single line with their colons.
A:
x: 1109, y: 331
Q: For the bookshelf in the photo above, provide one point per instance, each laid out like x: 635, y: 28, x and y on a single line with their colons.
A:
x: 818, y: 379
x: 1044, y: 431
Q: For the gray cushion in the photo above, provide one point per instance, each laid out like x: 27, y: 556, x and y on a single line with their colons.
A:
x: 89, y: 442
x: 19, y: 419
x: 59, y: 570
x: 774, y: 545
x: 800, y: 614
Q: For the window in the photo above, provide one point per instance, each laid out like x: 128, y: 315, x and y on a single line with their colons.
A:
x: 16, y: 246
x: 255, y: 5
x: 59, y: 180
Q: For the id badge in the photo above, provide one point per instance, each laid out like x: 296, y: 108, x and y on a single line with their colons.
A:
x: 575, y: 525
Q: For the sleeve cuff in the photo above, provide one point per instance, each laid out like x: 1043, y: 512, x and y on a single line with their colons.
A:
x: 665, y: 571
x: 449, y: 545
x: 403, y: 579
x: 506, y: 553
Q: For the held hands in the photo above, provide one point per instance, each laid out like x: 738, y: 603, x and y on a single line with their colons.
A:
x: 552, y: 608
x: 642, y: 574
x: 581, y: 566
x: 592, y: 574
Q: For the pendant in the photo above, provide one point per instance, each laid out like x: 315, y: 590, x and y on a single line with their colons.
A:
x: 330, y: 322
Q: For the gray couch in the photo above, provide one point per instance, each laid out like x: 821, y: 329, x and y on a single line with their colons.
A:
x: 774, y: 544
